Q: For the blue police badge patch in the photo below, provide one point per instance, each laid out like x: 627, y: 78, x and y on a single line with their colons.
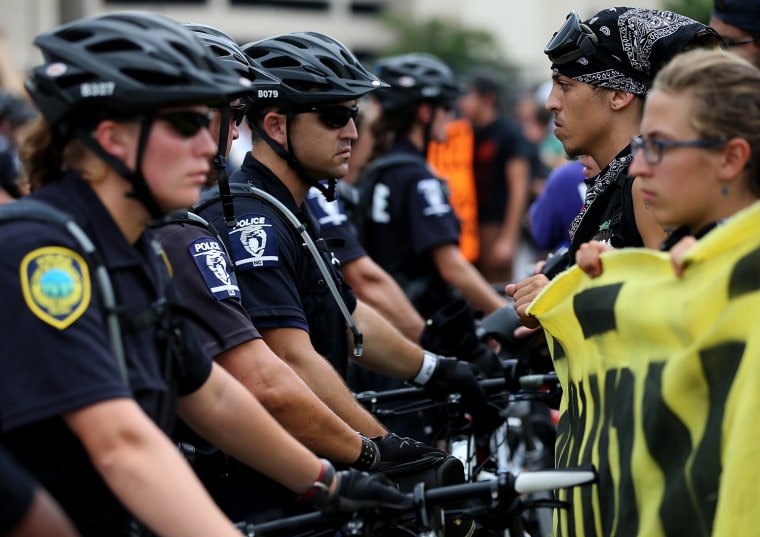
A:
x: 253, y: 242
x: 55, y: 282
x: 431, y: 197
x: 328, y: 213
x: 212, y: 262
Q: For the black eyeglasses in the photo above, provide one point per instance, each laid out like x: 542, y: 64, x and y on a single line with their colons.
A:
x: 335, y: 116
x: 572, y: 41
x: 730, y: 43
x: 186, y: 123
x: 653, y: 147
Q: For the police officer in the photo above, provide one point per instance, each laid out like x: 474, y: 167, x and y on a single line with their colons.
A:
x: 97, y: 360
x: 204, y: 276
x: 413, y: 233
x: 302, y: 134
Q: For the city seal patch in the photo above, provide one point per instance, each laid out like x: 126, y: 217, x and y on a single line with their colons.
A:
x: 55, y: 282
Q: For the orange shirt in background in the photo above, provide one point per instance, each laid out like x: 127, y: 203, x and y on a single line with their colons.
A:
x: 452, y: 160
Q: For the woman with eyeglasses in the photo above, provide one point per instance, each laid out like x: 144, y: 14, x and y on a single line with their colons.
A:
x: 664, y: 345
x: 99, y: 355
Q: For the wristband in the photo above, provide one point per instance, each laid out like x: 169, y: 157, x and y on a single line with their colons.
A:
x: 320, y: 489
x: 369, y: 458
x: 429, y: 363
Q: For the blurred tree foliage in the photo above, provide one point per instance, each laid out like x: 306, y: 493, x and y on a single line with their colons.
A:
x: 698, y: 10
x: 464, y: 49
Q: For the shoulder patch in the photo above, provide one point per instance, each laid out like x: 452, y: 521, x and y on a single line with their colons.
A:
x: 431, y: 197
x: 56, y: 285
x: 253, y: 242
x: 328, y: 213
x: 214, y: 265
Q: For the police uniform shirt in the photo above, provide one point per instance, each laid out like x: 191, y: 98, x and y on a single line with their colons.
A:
x: 659, y: 376
x: 280, y: 283
x: 410, y: 217
x: 16, y: 491
x: 335, y: 226
x: 204, y: 277
x: 57, y: 356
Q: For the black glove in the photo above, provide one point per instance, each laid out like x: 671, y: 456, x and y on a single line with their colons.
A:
x: 395, y: 451
x: 357, y: 490
x: 451, y: 331
x: 449, y: 375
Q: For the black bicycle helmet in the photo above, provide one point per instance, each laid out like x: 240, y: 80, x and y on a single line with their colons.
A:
x: 226, y: 49
x: 414, y: 78
x: 126, y: 63
x: 313, y: 69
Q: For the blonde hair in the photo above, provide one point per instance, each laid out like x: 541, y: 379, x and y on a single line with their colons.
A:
x: 725, y: 91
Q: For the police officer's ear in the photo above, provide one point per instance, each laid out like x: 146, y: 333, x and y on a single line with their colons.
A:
x: 425, y: 113
x: 275, y: 125
x: 118, y: 138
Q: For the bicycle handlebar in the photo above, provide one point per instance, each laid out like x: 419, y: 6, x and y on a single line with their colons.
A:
x: 490, y: 386
x: 494, y: 492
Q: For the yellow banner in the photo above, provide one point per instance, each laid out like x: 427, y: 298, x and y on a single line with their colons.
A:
x: 660, y: 387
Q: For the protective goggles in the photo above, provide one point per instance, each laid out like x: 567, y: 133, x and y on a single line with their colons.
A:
x: 572, y: 41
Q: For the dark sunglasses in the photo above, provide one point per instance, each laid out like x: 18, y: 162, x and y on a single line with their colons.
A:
x: 336, y: 116
x: 572, y: 41
x: 186, y: 123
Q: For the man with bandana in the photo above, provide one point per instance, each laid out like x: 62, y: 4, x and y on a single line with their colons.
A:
x: 601, y: 71
x: 738, y: 23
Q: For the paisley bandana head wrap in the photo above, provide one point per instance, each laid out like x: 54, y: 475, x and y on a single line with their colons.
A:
x: 631, y: 45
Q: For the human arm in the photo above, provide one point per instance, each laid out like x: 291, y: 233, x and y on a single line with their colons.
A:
x: 226, y: 414
x: 27, y: 509
x: 517, y: 176
x: 386, y: 351
x: 290, y: 401
x: 464, y: 277
x: 377, y: 288
x: 294, y: 347
x: 44, y: 517
x: 145, y: 471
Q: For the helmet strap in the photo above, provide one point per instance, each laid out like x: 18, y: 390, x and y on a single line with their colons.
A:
x: 288, y: 156
x: 141, y: 191
x: 220, y: 166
